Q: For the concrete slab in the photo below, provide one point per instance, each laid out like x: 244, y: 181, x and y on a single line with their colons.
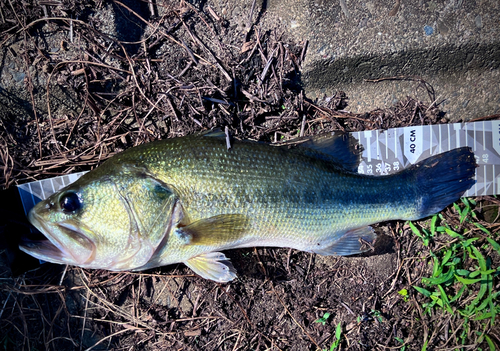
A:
x: 451, y: 44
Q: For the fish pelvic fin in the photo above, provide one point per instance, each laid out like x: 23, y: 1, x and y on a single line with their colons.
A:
x: 442, y: 179
x: 214, y: 231
x: 350, y: 243
x: 213, y: 266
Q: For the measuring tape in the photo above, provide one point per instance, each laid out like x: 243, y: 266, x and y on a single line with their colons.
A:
x: 389, y: 151
x: 385, y: 152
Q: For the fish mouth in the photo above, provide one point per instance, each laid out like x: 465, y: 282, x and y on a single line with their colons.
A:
x: 64, y: 243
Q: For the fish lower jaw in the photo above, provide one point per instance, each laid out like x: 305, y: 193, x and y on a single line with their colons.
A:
x: 44, y: 250
x: 57, y: 247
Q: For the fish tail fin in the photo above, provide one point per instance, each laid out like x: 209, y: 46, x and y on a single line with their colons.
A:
x: 442, y: 179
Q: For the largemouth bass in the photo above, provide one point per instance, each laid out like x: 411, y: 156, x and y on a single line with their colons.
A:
x: 186, y: 199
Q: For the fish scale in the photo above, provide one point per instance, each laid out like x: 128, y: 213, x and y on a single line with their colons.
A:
x: 186, y: 199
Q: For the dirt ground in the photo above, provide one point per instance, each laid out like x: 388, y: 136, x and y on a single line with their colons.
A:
x: 77, y: 90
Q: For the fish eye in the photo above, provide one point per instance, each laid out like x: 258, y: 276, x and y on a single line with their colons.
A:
x: 70, y: 202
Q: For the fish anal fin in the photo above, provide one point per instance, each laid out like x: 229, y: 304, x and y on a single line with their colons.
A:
x: 216, y: 230
x: 214, y: 266
x: 350, y: 243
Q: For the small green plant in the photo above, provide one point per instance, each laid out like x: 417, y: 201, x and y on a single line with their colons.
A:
x: 462, y: 277
x: 338, y: 336
x: 463, y: 213
x: 7, y: 343
x: 404, y: 294
x: 403, y: 347
x: 425, y: 235
x: 323, y: 319
x: 377, y: 315
x: 373, y: 315
x: 448, y: 271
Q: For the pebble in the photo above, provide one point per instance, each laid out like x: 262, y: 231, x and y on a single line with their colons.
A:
x: 479, y: 21
x: 428, y: 30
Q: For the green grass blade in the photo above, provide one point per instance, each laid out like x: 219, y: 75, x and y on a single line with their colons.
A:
x: 467, y: 281
x: 494, y: 244
x: 458, y: 294
x: 338, y: 331
x: 446, y: 301
x: 424, y: 348
x: 447, y: 256
x: 490, y: 343
x: 482, y: 228
x: 480, y: 258
x: 433, y: 224
x: 423, y: 291
x: 452, y: 233
x: 445, y: 278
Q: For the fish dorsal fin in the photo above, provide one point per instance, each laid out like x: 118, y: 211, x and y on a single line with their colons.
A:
x: 216, y: 230
x: 214, y: 133
x: 349, y: 243
x: 213, y: 265
x: 341, y: 148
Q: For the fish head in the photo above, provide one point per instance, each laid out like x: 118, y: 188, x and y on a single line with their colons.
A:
x: 114, y: 222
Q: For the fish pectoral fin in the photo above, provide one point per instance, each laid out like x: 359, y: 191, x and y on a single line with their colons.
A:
x: 216, y: 230
x: 350, y: 243
x: 214, y: 266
